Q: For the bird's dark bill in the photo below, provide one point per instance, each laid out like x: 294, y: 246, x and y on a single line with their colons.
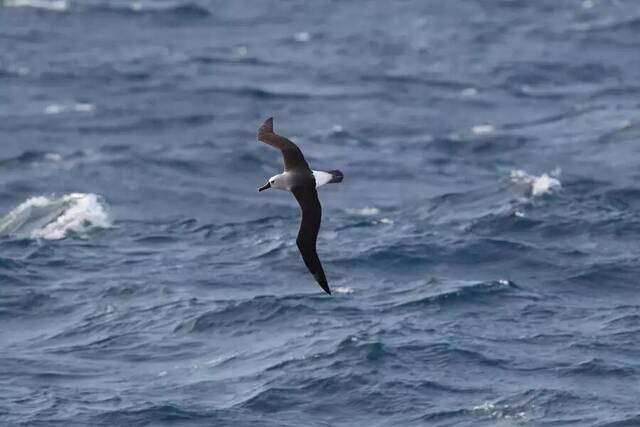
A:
x: 265, y: 187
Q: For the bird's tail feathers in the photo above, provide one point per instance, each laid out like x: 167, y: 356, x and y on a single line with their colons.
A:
x: 336, y: 176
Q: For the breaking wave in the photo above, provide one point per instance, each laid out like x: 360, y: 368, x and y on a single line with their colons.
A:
x: 54, y: 5
x: 540, y: 185
x: 54, y: 218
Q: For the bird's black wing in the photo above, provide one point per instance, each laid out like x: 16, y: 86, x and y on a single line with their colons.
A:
x: 293, y: 157
x: 307, y: 197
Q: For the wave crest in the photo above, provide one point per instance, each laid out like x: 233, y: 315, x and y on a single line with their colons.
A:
x: 55, y: 218
x: 54, y: 5
x: 540, y: 185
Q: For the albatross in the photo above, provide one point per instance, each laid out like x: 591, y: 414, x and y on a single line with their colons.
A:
x: 302, y: 181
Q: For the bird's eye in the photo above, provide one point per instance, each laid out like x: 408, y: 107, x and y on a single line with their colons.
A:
x: 273, y: 181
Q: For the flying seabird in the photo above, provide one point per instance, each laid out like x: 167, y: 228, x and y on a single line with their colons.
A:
x: 302, y: 181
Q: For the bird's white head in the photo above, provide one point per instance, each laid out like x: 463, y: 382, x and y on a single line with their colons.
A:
x: 276, y: 181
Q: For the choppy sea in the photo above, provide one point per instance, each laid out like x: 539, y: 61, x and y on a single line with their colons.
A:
x: 483, y: 248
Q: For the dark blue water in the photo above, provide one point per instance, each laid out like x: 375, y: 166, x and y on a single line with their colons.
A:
x: 483, y: 248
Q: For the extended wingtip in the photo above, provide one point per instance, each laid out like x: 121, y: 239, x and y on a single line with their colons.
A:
x: 322, y: 281
x: 266, y: 127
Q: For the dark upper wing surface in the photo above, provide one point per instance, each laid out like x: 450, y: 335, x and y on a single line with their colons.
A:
x: 293, y: 157
x: 307, y: 236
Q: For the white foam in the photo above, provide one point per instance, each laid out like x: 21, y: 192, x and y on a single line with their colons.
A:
x: 221, y: 359
x: 469, y: 92
x: 624, y: 124
x: 53, y: 157
x: 54, y: 218
x: 543, y: 184
x: 18, y: 70
x: 54, y: 109
x: 83, y: 108
x: 336, y: 129
x: 588, y: 4
x: 302, y: 37
x: 56, y: 5
x: 368, y: 211
x: 483, y: 129
x: 500, y: 411
x: 343, y: 290
x: 486, y: 406
x: 216, y: 360
x: 69, y: 108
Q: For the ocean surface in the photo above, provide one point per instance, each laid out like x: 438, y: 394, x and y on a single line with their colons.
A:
x: 483, y: 248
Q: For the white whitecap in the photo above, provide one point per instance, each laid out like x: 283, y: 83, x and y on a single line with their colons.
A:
x: 486, y: 406
x: 367, y: 211
x: 54, y: 109
x: 483, y: 129
x: 302, y: 37
x: 540, y: 185
x: 69, y: 108
x: 53, y: 218
x: 53, y: 157
x: 83, y: 108
x: 221, y: 359
x: 624, y: 124
x: 18, y: 70
x: 501, y: 411
x: 343, y: 290
x: 469, y: 92
x: 55, y: 5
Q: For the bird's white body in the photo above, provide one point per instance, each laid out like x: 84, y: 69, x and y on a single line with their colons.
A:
x: 282, y: 181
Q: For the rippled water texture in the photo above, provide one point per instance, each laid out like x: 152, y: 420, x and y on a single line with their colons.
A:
x: 483, y: 247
